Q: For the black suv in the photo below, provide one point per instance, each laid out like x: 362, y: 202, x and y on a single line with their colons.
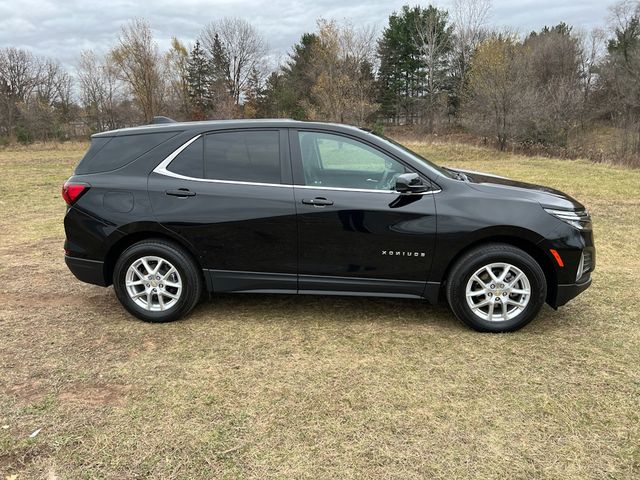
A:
x: 170, y: 210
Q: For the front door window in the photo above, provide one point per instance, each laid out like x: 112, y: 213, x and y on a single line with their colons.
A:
x: 336, y: 161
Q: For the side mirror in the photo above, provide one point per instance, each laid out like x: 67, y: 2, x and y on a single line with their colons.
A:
x: 410, y: 183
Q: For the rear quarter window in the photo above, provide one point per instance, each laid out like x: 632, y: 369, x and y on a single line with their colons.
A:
x: 108, y: 153
x: 189, y: 162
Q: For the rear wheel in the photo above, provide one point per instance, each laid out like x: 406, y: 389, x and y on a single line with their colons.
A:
x: 157, y: 281
x: 496, y: 288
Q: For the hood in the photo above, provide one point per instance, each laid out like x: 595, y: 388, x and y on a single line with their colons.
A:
x: 547, y: 197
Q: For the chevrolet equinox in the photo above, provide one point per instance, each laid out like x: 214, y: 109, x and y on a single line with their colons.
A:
x: 168, y: 211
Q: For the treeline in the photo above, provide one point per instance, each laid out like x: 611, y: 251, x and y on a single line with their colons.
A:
x: 436, y: 70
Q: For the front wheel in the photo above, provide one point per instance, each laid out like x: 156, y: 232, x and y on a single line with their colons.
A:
x: 496, y: 288
x: 157, y: 281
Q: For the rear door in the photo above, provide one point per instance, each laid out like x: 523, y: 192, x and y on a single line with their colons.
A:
x: 356, y: 233
x: 228, y: 193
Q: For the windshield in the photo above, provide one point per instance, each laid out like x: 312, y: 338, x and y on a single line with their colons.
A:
x: 398, y: 146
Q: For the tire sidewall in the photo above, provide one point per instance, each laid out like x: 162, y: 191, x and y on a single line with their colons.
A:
x: 521, y: 260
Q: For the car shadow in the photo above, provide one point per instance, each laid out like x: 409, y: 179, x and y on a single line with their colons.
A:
x: 283, y: 308
x: 332, y: 308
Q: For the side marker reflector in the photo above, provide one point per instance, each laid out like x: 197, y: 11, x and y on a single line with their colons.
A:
x: 557, y: 256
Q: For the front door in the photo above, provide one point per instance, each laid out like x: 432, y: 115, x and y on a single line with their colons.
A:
x: 355, y: 232
x: 229, y: 194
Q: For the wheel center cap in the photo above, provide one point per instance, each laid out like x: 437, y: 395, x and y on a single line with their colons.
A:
x: 154, y: 283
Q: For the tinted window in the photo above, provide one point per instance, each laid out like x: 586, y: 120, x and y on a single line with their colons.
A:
x: 116, y: 152
x: 96, y: 145
x: 251, y: 156
x: 189, y: 162
x: 336, y: 161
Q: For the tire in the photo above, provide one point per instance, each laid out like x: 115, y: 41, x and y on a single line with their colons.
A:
x: 178, y: 282
x: 476, y: 273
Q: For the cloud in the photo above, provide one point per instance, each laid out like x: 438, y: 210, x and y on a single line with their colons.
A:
x: 61, y: 29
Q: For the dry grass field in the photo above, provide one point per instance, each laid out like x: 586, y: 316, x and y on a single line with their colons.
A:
x: 258, y: 387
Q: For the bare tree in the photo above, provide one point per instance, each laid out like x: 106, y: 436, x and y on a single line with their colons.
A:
x: 590, y: 54
x: 54, y: 85
x: 138, y: 61
x: 620, y: 76
x: 496, y: 81
x: 101, y: 92
x: 50, y: 107
x: 434, y: 38
x: 553, y: 81
x: 358, y: 56
x: 93, y: 89
x: 469, y: 20
x: 243, y: 47
x: 19, y: 76
x: 341, y: 73
x: 177, y: 73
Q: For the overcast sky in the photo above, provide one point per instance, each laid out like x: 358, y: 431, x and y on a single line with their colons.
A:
x: 61, y: 29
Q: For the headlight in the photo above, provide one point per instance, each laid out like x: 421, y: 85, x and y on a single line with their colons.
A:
x: 579, y: 219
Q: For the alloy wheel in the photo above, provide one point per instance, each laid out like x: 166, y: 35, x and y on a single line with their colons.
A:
x: 498, y: 292
x: 153, y: 283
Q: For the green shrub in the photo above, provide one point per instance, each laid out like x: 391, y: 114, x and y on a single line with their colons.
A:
x: 378, y: 127
x: 23, y: 135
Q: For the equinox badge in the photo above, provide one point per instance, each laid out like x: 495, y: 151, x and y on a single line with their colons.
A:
x: 403, y: 254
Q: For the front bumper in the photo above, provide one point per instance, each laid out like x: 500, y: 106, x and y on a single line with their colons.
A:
x: 567, y: 292
x: 89, y: 271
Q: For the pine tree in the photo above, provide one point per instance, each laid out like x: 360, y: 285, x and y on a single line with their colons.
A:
x: 403, y: 78
x: 253, y: 95
x: 220, y: 69
x: 288, y: 92
x: 198, y: 82
x: 272, y: 104
x: 298, y: 78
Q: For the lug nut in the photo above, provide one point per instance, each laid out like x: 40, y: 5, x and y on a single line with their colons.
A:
x: 162, y: 286
x: 158, y: 277
x: 146, y: 285
x: 504, y: 294
x: 490, y: 294
x: 492, y: 286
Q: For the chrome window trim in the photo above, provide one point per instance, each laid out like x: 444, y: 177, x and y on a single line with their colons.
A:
x: 162, y: 166
x: 161, y: 169
x: 210, y: 180
x: 366, y: 190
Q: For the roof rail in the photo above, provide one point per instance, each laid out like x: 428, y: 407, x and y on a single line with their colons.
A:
x: 160, y: 119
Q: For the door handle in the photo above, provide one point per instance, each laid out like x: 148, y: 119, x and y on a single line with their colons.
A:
x: 317, y: 202
x: 181, y: 192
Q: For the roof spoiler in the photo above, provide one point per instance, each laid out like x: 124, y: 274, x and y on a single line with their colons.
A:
x: 161, y: 119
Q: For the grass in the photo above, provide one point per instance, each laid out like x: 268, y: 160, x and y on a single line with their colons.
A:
x: 311, y: 387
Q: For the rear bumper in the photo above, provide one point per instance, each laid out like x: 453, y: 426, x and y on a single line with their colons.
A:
x: 89, y: 271
x: 567, y: 292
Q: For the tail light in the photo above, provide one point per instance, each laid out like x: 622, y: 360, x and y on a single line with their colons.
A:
x: 71, y: 191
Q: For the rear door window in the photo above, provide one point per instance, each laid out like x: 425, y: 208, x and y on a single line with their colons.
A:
x: 246, y: 156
